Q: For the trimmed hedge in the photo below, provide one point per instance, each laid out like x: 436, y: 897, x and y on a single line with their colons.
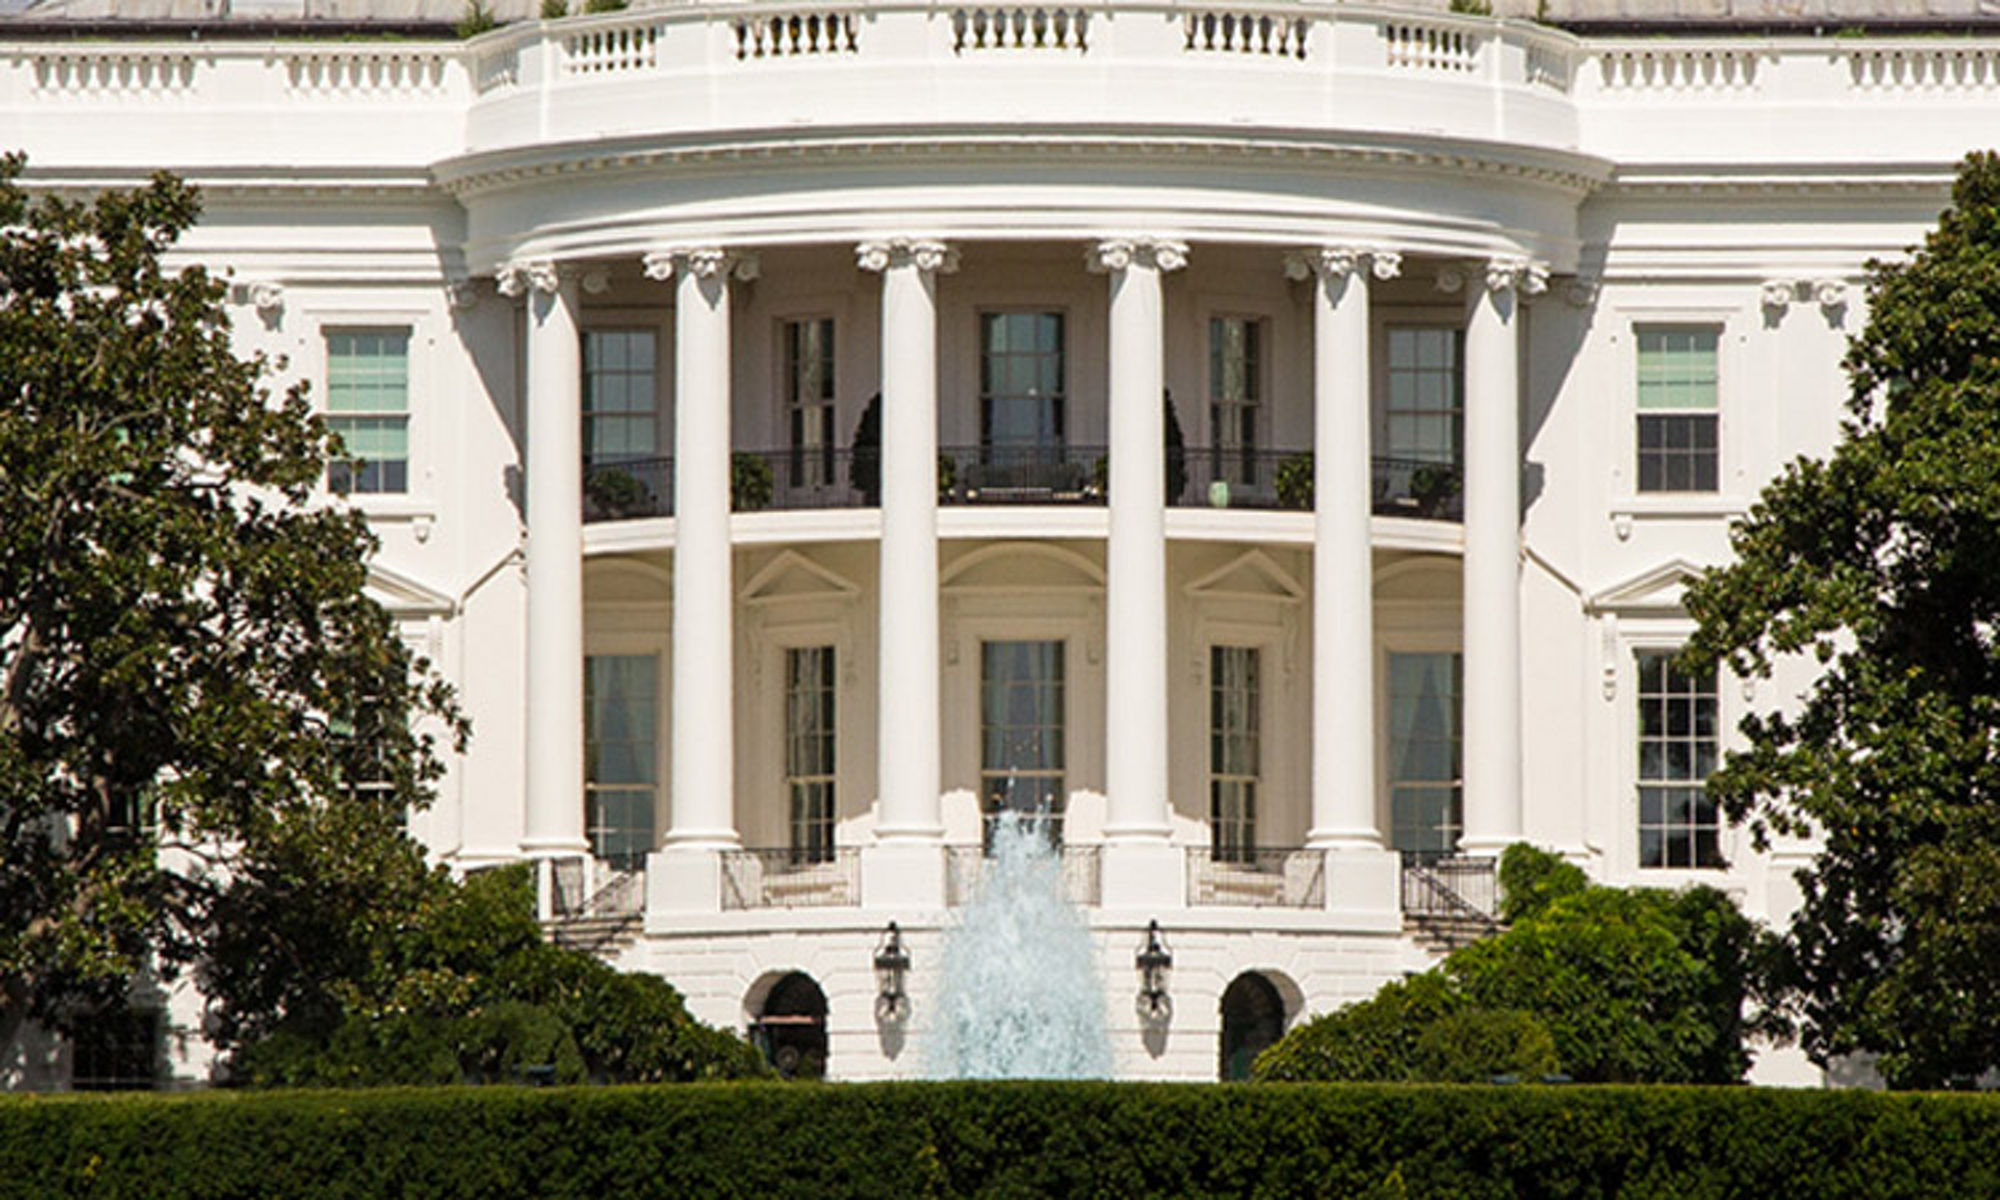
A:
x: 1004, y: 1139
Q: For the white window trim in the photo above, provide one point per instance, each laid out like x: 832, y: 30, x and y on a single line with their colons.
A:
x: 418, y: 504
x: 1629, y: 505
x: 634, y: 320
x: 1631, y: 636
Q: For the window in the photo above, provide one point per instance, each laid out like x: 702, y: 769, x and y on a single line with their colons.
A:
x: 1235, y: 387
x: 809, y: 744
x: 368, y: 407
x: 1253, y: 1019
x: 1232, y: 753
x: 1678, y: 825
x: 1677, y: 409
x: 1426, y: 404
x: 1021, y: 379
x: 809, y: 400
x: 621, y: 723
x: 1021, y: 732
x: 621, y: 412
x: 117, y: 1049
x: 1426, y: 769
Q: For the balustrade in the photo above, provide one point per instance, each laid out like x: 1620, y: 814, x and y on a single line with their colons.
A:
x: 787, y: 878
x: 1260, y: 877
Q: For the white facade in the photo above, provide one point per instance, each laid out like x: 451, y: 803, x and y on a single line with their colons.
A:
x: 1426, y: 247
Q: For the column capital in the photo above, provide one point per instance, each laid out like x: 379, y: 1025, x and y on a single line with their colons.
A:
x: 702, y: 262
x: 524, y: 275
x: 925, y: 254
x: 1338, y: 262
x: 1526, y: 276
x: 1117, y: 254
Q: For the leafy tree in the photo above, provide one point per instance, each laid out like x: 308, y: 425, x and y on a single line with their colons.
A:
x: 1882, y: 562
x: 1606, y: 984
x: 189, y: 670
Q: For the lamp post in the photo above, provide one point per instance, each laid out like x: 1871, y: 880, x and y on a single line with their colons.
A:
x: 892, y: 966
x: 1154, y: 962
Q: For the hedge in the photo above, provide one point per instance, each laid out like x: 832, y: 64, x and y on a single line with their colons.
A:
x: 1004, y: 1139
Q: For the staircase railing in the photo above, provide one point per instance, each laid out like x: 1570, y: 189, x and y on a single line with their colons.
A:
x: 1453, y: 887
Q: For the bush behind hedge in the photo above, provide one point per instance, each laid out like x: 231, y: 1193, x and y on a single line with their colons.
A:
x: 1003, y: 1139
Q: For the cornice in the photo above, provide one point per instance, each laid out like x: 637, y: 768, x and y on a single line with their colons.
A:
x: 1805, y: 181
x: 1563, y: 171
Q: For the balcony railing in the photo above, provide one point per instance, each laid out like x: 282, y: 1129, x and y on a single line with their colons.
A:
x: 1452, y: 887
x: 1410, y: 487
x: 787, y: 878
x: 1218, y: 477
x: 818, y: 477
x: 1082, y: 874
x: 596, y: 888
x: 1274, y: 877
x: 628, y: 491
x: 1022, y: 474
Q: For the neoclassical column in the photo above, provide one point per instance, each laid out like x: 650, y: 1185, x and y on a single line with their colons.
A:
x: 553, y: 825
x: 907, y: 726
x: 703, y: 742
x: 1492, y: 571
x: 1135, y: 635
x: 1344, y: 812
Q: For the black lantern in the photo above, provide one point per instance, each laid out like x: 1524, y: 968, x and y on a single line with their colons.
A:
x: 1154, y: 961
x: 892, y: 964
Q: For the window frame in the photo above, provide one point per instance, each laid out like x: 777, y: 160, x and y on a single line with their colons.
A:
x: 1390, y: 780
x: 662, y: 730
x: 1238, y: 462
x: 1634, y: 724
x: 328, y: 330
x: 1639, y: 329
x: 811, y: 850
x: 1063, y: 419
x: 1241, y: 850
x: 1064, y: 776
x: 1428, y: 320
x: 662, y: 434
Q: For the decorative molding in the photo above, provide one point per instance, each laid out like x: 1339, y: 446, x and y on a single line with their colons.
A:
x: 1118, y: 254
x: 596, y: 280
x: 1778, y: 294
x: 522, y: 276
x: 1580, y: 292
x: 1340, y: 261
x: 1830, y: 294
x: 1449, y: 279
x: 702, y: 262
x: 265, y: 295
x: 1526, y: 276
x: 925, y: 254
x: 461, y: 294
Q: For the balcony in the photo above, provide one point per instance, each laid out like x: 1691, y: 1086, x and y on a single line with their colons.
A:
x: 794, y: 480
x: 1261, y: 877
x: 1450, y: 887
x: 1082, y: 874
x: 787, y: 878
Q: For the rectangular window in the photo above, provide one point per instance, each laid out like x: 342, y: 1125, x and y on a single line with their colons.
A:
x: 809, y: 400
x: 368, y: 407
x: 1021, y: 732
x: 1678, y: 739
x: 621, y: 746
x: 1235, y: 389
x: 1233, y: 752
x: 621, y: 410
x: 117, y: 1050
x: 809, y: 745
x: 1426, y: 401
x: 1426, y: 766
x: 1021, y: 374
x: 1678, y: 409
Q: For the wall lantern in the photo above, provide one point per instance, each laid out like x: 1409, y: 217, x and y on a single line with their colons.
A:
x: 892, y: 966
x: 1154, y: 961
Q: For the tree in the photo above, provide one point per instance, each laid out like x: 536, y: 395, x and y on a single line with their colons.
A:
x: 1882, y: 562
x: 1611, y: 985
x: 189, y: 669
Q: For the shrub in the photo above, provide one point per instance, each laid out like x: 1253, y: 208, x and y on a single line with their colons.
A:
x: 1479, y: 1045
x: 751, y: 483
x: 1295, y: 481
x: 1372, y: 1041
x: 1531, y: 879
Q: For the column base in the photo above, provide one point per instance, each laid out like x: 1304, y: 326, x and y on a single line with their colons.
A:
x: 1364, y: 889
x: 1485, y: 847
x: 684, y: 879
x: 1147, y: 875
x: 904, y: 875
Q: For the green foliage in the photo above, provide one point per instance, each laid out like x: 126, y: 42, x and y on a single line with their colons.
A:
x: 1295, y: 481
x: 751, y: 483
x: 187, y: 657
x: 1532, y: 878
x: 554, y: 10
x: 1472, y: 8
x: 605, y: 6
x: 1604, y: 984
x: 1882, y: 563
x: 1004, y: 1140
x: 477, y: 18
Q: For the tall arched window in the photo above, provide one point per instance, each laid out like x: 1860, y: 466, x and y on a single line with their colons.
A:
x: 1253, y: 1017
x: 791, y: 1030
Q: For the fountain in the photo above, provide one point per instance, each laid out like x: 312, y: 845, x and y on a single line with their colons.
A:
x: 1021, y: 997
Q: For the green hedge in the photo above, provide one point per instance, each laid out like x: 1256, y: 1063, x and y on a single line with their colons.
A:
x: 907, y: 1140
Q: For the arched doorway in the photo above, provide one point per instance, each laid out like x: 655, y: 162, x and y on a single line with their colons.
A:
x: 791, y: 1029
x: 1253, y: 1017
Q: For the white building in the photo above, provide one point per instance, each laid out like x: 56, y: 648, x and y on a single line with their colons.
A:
x: 1545, y: 308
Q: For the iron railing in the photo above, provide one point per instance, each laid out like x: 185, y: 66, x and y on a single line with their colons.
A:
x: 1451, y: 886
x: 1409, y: 487
x: 787, y: 878
x: 1236, y: 477
x: 1082, y: 874
x: 585, y: 887
x: 807, y: 477
x: 628, y: 491
x: 1263, y: 877
x: 1022, y: 474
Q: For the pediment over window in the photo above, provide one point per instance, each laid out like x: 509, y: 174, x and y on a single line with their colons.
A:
x: 405, y: 595
x: 1017, y: 566
x: 793, y: 576
x: 626, y: 583
x: 1252, y: 575
x: 1655, y: 590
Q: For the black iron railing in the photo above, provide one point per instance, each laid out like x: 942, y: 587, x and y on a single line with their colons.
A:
x: 1451, y: 885
x: 1022, y: 474
x: 629, y: 490
x: 1256, y: 877
x: 809, y: 477
x: 787, y: 878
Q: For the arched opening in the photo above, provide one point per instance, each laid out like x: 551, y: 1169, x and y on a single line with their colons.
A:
x: 791, y: 1029
x: 1253, y: 1017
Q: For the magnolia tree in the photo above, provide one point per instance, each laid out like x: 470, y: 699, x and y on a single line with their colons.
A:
x: 1882, y: 561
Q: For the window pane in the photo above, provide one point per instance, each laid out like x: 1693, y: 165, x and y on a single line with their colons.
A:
x: 621, y: 715
x: 1425, y: 756
x: 1021, y: 729
x: 1678, y: 824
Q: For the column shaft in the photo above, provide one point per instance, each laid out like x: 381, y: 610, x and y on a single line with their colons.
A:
x: 1492, y: 588
x: 554, y: 503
